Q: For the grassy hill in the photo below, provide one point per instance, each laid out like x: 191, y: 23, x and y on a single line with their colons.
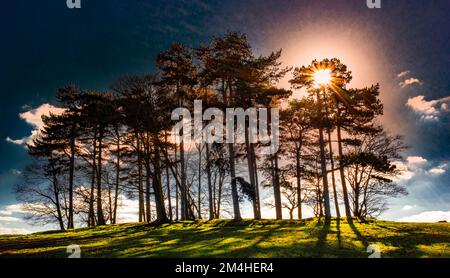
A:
x: 249, y: 239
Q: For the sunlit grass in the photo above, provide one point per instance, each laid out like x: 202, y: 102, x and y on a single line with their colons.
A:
x: 246, y: 239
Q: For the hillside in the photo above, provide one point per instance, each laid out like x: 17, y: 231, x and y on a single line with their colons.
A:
x: 249, y: 239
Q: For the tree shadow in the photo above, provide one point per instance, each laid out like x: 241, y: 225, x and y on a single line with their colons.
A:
x: 338, y: 230
x: 322, y: 235
x: 246, y: 239
x: 358, y: 234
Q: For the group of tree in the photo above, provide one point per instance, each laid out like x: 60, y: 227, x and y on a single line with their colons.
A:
x: 108, y: 146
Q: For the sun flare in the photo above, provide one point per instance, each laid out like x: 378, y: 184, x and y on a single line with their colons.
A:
x: 322, y: 77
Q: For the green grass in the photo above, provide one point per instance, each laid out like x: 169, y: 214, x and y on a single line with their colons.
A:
x: 246, y: 239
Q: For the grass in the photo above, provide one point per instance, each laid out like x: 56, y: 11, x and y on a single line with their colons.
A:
x: 246, y: 239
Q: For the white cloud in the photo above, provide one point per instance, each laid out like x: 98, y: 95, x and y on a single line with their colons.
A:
x: 417, y: 165
x: 439, y: 170
x: 436, y: 171
x: 5, y: 212
x: 13, y: 231
x: 427, y: 216
x: 128, y: 211
x: 416, y: 160
x: 405, y: 173
x: 428, y: 110
x: 409, y: 82
x: 444, y: 107
x: 10, y: 209
x: 9, y: 219
x: 403, y: 73
x: 34, y: 118
x: 422, y: 106
x: 16, y: 141
x: 408, y: 207
x: 15, y: 172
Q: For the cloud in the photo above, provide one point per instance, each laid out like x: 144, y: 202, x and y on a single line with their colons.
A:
x: 403, y: 73
x: 16, y: 141
x: 409, y: 82
x: 422, y: 106
x: 128, y: 211
x: 405, y: 173
x: 428, y: 110
x: 9, y: 219
x: 10, y: 209
x: 439, y: 170
x: 14, y: 231
x: 415, y: 160
x: 427, y: 216
x: 15, y: 172
x: 445, y: 107
x: 34, y: 118
x: 408, y: 207
x: 416, y: 166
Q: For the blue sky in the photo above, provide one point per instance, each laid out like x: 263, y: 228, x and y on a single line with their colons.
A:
x: 404, y: 46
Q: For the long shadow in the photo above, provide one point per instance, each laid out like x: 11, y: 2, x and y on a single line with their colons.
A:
x: 358, y: 234
x: 201, y: 239
x: 338, y: 229
x: 322, y: 236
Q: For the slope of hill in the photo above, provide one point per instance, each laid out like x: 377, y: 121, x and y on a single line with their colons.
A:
x: 248, y: 239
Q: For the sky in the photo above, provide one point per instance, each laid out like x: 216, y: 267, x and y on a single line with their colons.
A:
x: 403, y: 46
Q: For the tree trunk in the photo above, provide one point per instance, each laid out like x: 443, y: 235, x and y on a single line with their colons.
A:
x: 356, y: 195
x: 116, y: 190
x: 140, y: 187
x: 341, y: 168
x: 169, y: 198
x: 161, y: 215
x: 258, y: 202
x: 333, y: 180
x: 71, y: 176
x: 56, y: 192
x: 323, y: 164
x: 251, y: 173
x: 100, y: 217
x: 148, y: 207
x: 276, y: 188
x: 210, y: 189
x: 219, y: 195
x: 91, y: 216
x: 299, y: 184
x: 183, y: 189
x: 199, y: 182
x: 183, y: 199
x: 234, y: 192
x: 177, y: 194
x: 110, y: 207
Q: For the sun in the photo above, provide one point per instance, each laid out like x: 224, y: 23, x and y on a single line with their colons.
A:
x: 322, y: 77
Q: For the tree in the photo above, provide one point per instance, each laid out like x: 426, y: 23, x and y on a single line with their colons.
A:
x: 371, y: 169
x: 321, y: 77
x: 296, y: 129
x: 241, y: 80
x: 178, y: 76
x: 147, y: 107
x: 42, y: 188
x: 98, y: 110
x: 68, y: 97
